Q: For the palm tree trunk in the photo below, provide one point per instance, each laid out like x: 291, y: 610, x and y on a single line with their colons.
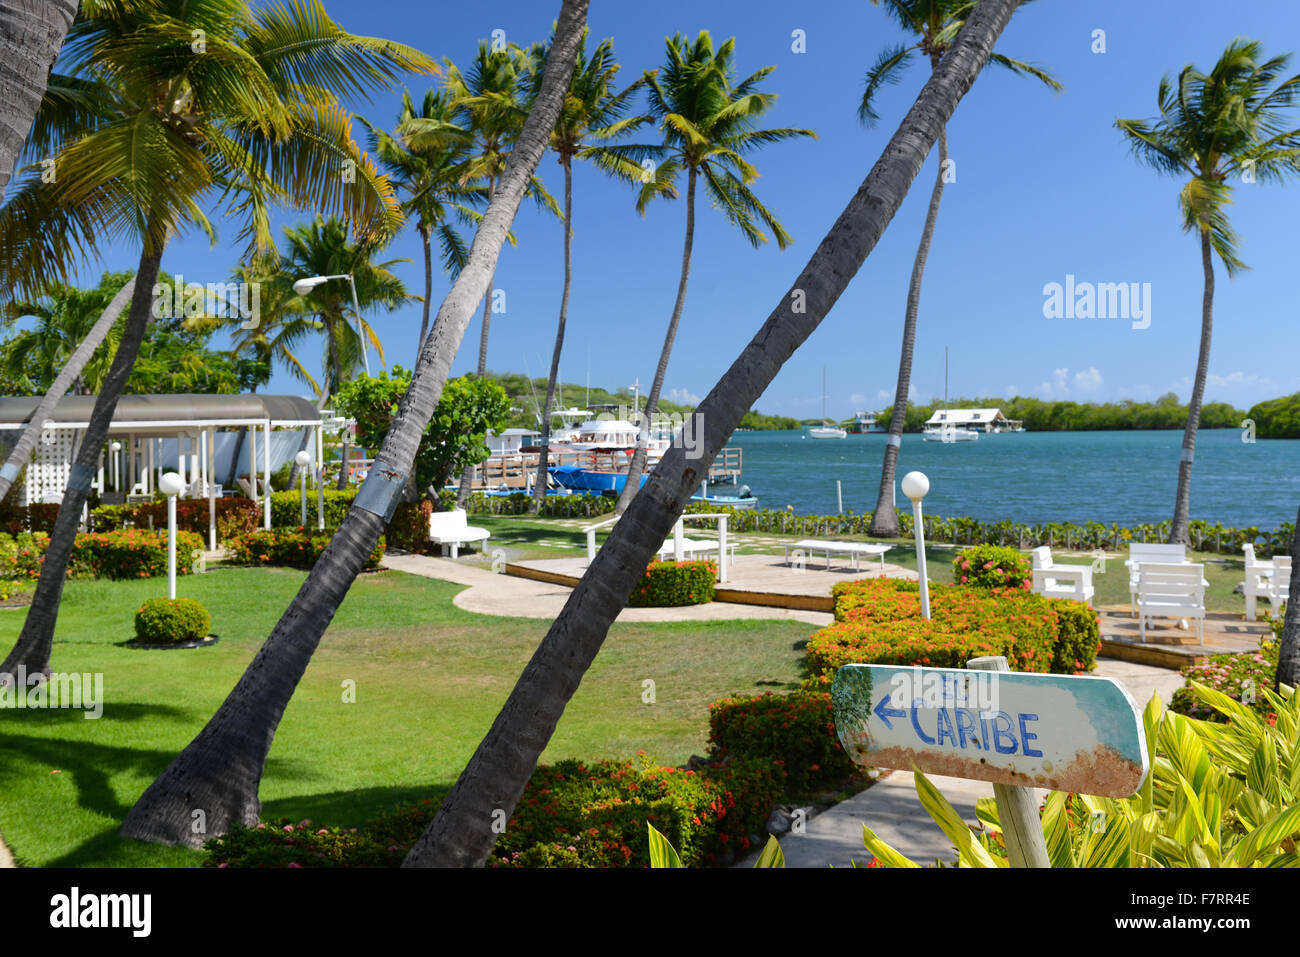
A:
x: 1182, y: 504
x: 37, y: 637
x: 637, y: 465
x: 462, y: 834
x: 544, y: 457
x: 884, y: 520
x: 1288, y: 658
x: 467, y: 476
x: 68, y: 375
x: 31, y: 34
x: 428, y: 285
x: 219, y: 770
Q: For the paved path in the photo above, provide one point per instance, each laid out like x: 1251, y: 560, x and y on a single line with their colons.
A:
x: 892, y: 809
x: 490, y: 593
x: 6, y: 859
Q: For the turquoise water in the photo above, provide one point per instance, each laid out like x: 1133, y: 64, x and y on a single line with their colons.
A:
x: 1034, y: 477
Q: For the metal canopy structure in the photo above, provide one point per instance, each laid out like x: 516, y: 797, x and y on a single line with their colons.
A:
x: 144, y: 421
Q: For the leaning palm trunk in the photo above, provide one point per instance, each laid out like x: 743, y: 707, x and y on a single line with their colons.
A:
x: 1182, y: 504
x: 637, y: 466
x: 884, y: 520
x: 33, y: 648
x: 467, y: 476
x: 219, y: 771
x: 68, y: 376
x: 1288, y: 658
x: 544, y: 457
x: 462, y: 833
x: 428, y: 286
x: 31, y: 34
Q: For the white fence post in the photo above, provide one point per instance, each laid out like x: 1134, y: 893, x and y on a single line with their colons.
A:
x: 677, y: 540
x: 722, y: 548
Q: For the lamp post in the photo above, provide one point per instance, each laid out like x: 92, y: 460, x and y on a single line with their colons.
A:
x: 307, y: 284
x: 117, y: 466
x: 915, y: 485
x: 170, y: 485
x: 303, y: 459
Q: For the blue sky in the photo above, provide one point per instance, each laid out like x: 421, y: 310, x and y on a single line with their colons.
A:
x: 1045, y: 187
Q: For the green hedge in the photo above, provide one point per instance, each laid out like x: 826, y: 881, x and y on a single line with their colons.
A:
x: 131, y: 553
x: 668, y: 584
x: 571, y: 814
x: 879, y: 621
x: 796, y: 730
x: 1205, y: 536
x: 992, y: 566
x: 172, y: 620
x: 298, y: 547
x: 555, y: 506
x: 286, y: 507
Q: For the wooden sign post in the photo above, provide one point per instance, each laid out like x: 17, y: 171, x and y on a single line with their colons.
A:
x: 1015, y: 730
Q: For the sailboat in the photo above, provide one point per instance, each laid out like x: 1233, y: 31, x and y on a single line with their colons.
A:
x: 947, y: 433
x: 826, y: 430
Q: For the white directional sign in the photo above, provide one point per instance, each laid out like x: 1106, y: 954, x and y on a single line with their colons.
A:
x: 1080, y: 734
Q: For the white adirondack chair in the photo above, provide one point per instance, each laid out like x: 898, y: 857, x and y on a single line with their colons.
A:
x: 450, y: 530
x: 1139, y: 553
x: 1258, y: 576
x: 1171, y: 591
x: 1279, y: 583
x: 1060, y: 581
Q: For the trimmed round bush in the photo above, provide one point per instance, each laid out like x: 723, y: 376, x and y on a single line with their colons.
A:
x: 992, y: 566
x: 163, y: 621
x: 666, y: 584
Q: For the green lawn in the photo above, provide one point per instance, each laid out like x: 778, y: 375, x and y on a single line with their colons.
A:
x: 429, y: 677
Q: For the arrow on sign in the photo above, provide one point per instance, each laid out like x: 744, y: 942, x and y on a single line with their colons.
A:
x: 884, y: 713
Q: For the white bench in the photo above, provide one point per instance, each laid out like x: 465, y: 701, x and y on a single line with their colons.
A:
x: 1279, y: 583
x: 854, y: 549
x: 693, y: 548
x: 450, y: 529
x: 1260, y: 577
x: 1160, y: 554
x: 1171, y: 591
x: 1061, y: 581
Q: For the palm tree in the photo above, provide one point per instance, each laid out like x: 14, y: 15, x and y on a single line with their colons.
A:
x: 461, y: 835
x: 592, y: 114
x: 1214, y: 128
x: 30, y: 37
x: 489, y: 100
x: 221, y: 768
x: 708, y: 128
x: 161, y: 123
x: 433, y: 177
x: 935, y: 23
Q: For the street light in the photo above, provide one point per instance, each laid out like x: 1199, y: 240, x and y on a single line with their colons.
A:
x: 170, y: 485
x: 117, y: 466
x: 915, y: 485
x: 308, y: 283
x: 303, y: 459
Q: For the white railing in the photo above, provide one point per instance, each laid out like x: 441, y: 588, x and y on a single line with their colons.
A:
x: 678, y: 539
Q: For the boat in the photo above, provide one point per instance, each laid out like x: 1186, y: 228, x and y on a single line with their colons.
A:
x: 864, y: 423
x: 947, y: 434
x: 741, y: 498
x: 825, y: 430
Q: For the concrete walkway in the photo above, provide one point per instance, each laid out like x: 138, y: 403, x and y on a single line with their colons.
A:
x: 6, y: 859
x: 490, y: 593
x: 891, y: 808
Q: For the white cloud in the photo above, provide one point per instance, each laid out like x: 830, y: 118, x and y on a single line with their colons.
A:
x: 1063, y: 384
x: 1089, y: 380
x: 884, y: 395
x: 683, y: 397
x: 1012, y: 391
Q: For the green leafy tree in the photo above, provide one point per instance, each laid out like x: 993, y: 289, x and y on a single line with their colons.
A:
x: 1216, y: 129
x: 934, y: 24
x: 163, y: 108
x: 708, y: 125
x: 456, y: 435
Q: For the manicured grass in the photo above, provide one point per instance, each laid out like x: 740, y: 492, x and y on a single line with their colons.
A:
x: 429, y: 679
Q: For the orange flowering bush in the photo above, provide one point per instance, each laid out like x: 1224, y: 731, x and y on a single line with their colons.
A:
x: 299, y: 547
x: 131, y: 553
x: 669, y: 583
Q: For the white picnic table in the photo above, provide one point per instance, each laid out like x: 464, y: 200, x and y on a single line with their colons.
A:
x: 854, y: 549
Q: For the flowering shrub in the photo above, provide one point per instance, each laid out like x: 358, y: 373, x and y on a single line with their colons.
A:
x: 796, y: 730
x: 132, y: 553
x: 571, y: 814
x: 879, y: 621
x: 1238, y: 676
x: 666, y: 584
x: 409, y: 528
x: 991, y: 566
x: 21, y: 555
x: 235, y: 516
x: 172, y: 621
x: 299, y: 547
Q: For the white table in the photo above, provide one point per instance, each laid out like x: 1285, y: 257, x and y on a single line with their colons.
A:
x: 855, y: 549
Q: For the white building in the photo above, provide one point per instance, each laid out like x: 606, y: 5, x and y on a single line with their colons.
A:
x: 977, y: 420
